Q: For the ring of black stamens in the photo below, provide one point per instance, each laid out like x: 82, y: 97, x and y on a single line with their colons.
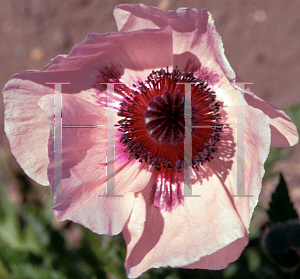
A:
x: 161, y: 108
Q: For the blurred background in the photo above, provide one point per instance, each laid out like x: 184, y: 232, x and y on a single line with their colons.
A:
x: 262, y: 44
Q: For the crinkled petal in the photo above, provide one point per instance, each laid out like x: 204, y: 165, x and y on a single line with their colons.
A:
x: 201, y: 49
x: 99, y: 59
x: 152, y: 235
x: 257, y: 140
x: 145, y: 49
x: 256, y: 151
x: 196, y: 43
x: 221, y: 258
x: 139, y: 16
x: 103, y: 215
x: 153, y: 238
x: 133, y: 17
x: 84, y: 169
x: 283, y: 130
x: 26, y: 126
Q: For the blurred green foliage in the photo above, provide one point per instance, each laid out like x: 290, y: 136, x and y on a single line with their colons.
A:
x: 294, y: 113
x: 32, y: 246
x: 281, y: 153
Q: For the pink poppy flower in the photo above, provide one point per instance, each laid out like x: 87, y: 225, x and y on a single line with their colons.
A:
x: 150, y: 58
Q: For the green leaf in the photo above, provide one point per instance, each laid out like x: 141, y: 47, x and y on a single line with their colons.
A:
x: 28, y: 271
x: 294, y: 113
x: 281, y: 208
x: 274, y: 155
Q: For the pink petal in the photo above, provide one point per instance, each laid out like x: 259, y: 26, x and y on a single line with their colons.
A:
x: 29, y: 106
x: 98, y: 59
x: 202, y: 48
x: 145, y: 49
x: 102, y: 215
x: 159, y: 241
x: 283, y: 130
x: 221, y: 258
x: 133, y: 17
x: 26, y: 126
x: 196, y: 43
x: 138, y: 16
x: 84, y: 169
x: 211, y: 226
x: 257, y: 139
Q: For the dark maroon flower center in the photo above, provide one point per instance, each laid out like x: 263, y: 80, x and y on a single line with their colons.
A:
x: 153, y: 123
x: 165, y: 117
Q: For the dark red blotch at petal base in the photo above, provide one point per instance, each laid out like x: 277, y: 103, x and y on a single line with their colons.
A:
x: 153, y: 123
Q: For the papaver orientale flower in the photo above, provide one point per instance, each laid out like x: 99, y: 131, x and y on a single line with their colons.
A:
x: 151, y: 60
